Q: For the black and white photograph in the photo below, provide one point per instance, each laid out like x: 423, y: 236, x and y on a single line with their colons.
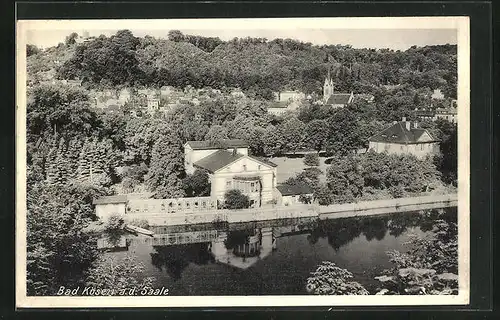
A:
x: 242, y: 162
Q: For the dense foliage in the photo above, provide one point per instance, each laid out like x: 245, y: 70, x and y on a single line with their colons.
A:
x: 235, y: 199
x: 257, y: 65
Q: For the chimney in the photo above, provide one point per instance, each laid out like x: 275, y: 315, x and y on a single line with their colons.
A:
x: 415, y: 124
x: 407, y: 124
x: 234, y: 152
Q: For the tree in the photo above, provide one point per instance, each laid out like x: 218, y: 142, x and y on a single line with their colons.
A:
x: 197, y: 184
x: 216, y: 133
x: 429, y: 266
x: 329, y: 279
x: 293, y: 131
x: 345, y: 179
x: 316, y: 134
x: 71, y: 39
x: 59, y: 249
x: 166, y: 169
x: 31, y: 49
x: 175, y: 35
x: 118, y: 275
x: 59, y: 110
x: 235, y: 199
x: 311, y: 160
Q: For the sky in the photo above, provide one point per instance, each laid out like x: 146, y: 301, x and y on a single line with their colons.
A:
x: 397, y: 39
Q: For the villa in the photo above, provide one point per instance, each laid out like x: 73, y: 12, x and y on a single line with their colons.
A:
x: 404, y: 137
x: 230, y: 167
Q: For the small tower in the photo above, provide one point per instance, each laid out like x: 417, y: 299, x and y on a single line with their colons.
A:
x: 327, y: 87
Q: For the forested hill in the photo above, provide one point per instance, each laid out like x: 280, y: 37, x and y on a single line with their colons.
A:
x: 257, y: 65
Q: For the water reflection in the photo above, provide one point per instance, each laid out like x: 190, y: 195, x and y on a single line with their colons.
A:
x: 174, y: 259
x: 270, y: 247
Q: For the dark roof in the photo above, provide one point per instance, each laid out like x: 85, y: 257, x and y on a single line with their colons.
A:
x: 398, y: 133
x: 120, y: 198
x: 265, y: 161
x: 217, y: 160
x: 278, y: 104
x: 339, y: 98
x: 289, y: 189
x: 228, y: 143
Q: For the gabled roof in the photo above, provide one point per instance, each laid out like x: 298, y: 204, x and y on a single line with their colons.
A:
x: 226, y: 144
x: 339, y: 98
x: 217, y: 160
x: 279, y: 104
x: 398, y: 133
x: 293, y: 189
x: 264, y: 161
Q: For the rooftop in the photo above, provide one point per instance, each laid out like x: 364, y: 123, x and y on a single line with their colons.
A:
x: 339, y: 98
x: 217, y: 160
x: 291, y: 190
x: 399, y: 133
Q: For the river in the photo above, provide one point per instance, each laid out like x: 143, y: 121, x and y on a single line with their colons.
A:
x: 286, y: 252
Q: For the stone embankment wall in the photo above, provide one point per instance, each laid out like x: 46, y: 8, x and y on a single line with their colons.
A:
x: 365, y: 208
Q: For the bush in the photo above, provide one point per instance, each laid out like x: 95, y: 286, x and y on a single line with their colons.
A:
x: 234, y: 199
x: 114, y: 222
x: 311, y: 159
x: 328, y: 279
x: 141, y: 223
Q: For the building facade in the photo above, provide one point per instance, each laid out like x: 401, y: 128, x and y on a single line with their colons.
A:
x: 404, y: 137
x: 230, y: 167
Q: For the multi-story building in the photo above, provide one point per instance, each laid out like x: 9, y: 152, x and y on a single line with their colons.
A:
x: 404, y: 137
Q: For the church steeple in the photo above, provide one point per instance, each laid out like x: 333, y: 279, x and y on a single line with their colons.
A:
x: 327, y: 87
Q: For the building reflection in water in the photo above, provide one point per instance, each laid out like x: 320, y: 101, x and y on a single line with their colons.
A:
x: 244, y: 245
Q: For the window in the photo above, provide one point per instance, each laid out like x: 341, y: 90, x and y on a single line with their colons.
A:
x: 228, y: 184
x: 259, y: 167
x: 244, y: 167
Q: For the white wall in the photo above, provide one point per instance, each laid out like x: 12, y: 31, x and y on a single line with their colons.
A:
x: 419, y: 150
x: 103, y: 211
x: 267, y: 174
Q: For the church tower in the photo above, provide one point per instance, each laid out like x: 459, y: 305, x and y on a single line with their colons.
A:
x: 327, y: 88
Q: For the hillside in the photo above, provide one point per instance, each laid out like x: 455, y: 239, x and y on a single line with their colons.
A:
x: 256, y: 65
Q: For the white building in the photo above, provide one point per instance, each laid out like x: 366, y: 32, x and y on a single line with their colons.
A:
x: 404, y: 137
x: 230, y: 167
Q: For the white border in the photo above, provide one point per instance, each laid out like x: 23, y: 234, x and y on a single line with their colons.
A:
x: 461, y: 24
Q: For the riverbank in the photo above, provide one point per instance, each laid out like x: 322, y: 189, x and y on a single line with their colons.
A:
x: 363, y: 208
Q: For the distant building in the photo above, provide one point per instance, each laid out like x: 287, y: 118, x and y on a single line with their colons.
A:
x: 425, y: 113
x: 404, y: 137
x: 437, y: 95
x: 335, y: 100
x: 153, y: 104
x: 278, y: 108
x: 124, y: 96
x: 289, y: 96
x: 165, y: 91
x: 290, y: 194
x: 449, y: 114
x: 369, y: 98
x: 230, y: 167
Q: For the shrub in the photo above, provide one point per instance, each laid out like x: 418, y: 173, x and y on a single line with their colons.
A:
x: 311, y: 159
x: 234, y: 199
x: 328, y: 279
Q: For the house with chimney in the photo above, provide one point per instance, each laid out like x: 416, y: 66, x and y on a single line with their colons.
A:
x: 404, y: 137
x: 229, y: 166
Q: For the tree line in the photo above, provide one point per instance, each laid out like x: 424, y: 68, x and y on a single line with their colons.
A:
x: 258, y: 66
